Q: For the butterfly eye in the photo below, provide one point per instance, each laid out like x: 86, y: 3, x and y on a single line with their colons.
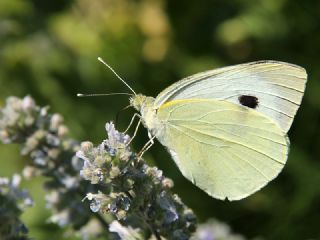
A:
x: 249, y: 101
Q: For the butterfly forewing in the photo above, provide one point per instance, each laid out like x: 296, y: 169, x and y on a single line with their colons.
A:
x: 277, y: 86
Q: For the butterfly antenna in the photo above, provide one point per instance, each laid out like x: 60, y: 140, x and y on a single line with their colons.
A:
x: 101, y: 94
x: 101, y: 60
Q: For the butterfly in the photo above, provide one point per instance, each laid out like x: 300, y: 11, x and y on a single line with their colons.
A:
x: 226, y: 129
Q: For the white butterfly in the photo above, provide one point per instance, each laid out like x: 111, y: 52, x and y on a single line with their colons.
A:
x: 226, y: 129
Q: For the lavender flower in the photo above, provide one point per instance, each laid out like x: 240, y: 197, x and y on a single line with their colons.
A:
x: 214, y: 230
x: 44, y: 138
x: 119, y: 185
x: 13, y: 202
x: 137, y: 194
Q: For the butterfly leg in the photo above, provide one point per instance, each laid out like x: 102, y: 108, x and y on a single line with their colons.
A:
x: 131, y: 121
x: 146, y: 146
x: 135, y: 131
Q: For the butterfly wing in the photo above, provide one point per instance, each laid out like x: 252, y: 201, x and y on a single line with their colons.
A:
x: 277, y: 86
x: 227, y: 150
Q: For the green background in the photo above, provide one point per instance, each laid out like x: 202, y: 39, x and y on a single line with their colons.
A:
x: 49, y: 49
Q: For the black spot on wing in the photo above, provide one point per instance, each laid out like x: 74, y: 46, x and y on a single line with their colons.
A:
x: 248, y: 101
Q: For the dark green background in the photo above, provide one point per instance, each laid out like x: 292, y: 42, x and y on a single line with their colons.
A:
x: 48, y: 49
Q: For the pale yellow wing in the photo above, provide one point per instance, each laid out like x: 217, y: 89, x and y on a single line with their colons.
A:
x: 227, y: 150
x: 277, y: 86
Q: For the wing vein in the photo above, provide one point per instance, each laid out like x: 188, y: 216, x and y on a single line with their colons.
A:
x: 223, y: 140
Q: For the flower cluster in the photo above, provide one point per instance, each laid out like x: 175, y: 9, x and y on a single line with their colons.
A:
x: 214, y: 229
x: 44, y: 138
x: 13, y: 201
x: 120, y: 184
x: 137, y: 193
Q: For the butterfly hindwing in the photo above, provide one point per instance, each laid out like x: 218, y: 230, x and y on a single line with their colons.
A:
x: 227, y: 150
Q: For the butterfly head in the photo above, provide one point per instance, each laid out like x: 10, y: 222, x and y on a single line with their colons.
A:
x: 140, y: 101
x: 137, y: 101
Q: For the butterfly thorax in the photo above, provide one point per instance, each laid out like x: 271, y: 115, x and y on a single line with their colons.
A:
x: 145, y: 105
